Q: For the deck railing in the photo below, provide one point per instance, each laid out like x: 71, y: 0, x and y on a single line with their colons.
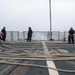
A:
x: 37, y: 35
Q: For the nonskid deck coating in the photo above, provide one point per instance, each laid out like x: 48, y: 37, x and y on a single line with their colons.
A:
x: 36, y: 47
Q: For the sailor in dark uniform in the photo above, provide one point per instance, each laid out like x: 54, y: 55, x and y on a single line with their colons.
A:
x: 29, y: 34
x: 3, y: 31
x: 71, y: 36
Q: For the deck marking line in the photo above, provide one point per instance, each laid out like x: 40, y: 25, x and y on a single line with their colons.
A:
x: 49, y: 63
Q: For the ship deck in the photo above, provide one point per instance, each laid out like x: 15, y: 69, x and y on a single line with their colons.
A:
x: 37, y: 58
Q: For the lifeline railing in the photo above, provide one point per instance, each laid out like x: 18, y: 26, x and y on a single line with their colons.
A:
x: 37, y: 35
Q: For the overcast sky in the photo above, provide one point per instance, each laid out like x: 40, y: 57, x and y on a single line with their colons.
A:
x: 18, y: 15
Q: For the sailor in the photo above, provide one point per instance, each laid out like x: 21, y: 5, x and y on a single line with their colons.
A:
x: 3, y: 31
x: 29, y: 34
x: 71, y: 36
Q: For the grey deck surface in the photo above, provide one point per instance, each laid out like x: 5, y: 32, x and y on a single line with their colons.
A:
x: 36, y: 47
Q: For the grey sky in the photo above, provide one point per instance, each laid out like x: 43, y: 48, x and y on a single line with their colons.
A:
x: 18, y: 15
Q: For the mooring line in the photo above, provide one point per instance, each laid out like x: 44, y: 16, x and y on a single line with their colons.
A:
x: 50, y: 68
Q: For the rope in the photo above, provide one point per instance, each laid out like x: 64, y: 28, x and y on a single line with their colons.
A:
x: 49, y: 59
x: 34, y: 65
x: 4, y: 44
x: 37, y: 57
x: 12, y: 47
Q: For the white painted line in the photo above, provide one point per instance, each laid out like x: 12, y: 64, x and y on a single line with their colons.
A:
x: 49, y: 63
